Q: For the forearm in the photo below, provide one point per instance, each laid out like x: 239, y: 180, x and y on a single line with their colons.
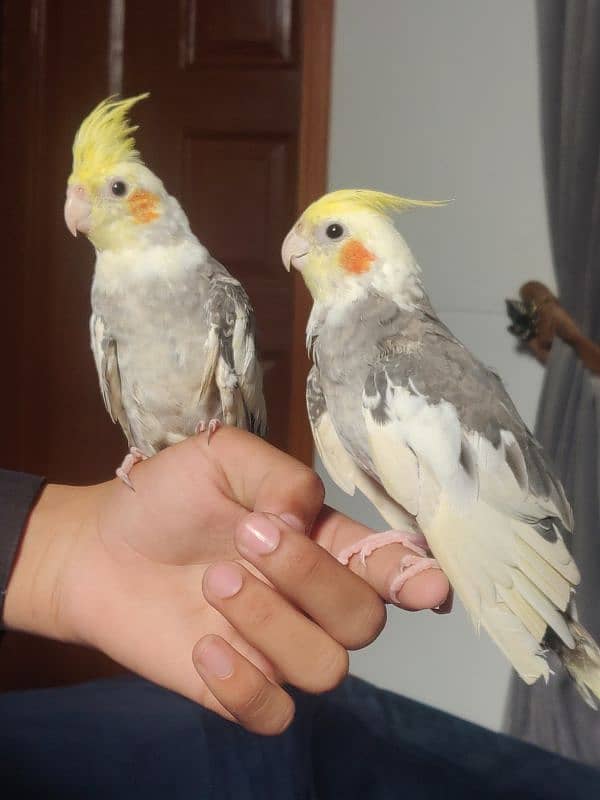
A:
x: 34, y: 601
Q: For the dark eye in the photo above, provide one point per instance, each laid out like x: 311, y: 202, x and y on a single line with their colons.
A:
x: 334, y: 231
x: 118, y: 188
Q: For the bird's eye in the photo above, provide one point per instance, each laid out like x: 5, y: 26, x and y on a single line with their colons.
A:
x: 118, y: 188
x: 334, y: 231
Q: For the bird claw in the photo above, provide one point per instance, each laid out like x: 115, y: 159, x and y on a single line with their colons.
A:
x: 133, y: 457
x: 364, y: 547
x: 212, y: 427
x: 410, y: 566
x: 123, y: 476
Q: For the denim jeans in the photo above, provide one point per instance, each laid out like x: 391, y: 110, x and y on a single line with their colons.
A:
x: 126, y: 738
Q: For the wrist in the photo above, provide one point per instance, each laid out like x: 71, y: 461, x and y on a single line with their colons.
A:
x: 37, y: 599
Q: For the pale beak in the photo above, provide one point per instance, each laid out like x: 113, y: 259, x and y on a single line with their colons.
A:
x: 293, y: 250
x: 77, y: 210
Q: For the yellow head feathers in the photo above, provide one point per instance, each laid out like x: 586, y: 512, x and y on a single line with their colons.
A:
x: 104, y: 139
x: 345, y: 200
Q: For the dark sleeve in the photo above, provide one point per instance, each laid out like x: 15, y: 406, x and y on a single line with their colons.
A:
x: 18, y: 493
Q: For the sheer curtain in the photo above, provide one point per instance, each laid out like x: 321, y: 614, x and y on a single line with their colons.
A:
x: 568, y: 423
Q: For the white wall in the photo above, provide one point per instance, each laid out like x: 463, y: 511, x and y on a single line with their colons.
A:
x: 438, y: 99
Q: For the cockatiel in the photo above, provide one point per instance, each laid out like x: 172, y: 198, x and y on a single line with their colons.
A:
x: 172, y: 331
x: 401, y: 410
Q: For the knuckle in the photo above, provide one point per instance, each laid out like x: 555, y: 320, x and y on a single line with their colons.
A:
x: 330, y: 669
x: 283, y: 721
x: 306, y: 563
x: 280, y: 721
x: 310, y: 483
x: 255, y: 704
x: 265, y: 709
x: 367, y: 623
x: 259, y: 612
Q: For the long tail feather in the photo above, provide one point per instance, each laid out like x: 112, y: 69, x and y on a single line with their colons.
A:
x: 582, y: 662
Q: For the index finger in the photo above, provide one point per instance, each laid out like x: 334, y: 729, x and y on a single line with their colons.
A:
x: 429, y: 589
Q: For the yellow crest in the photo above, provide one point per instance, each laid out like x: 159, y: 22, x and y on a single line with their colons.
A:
x: 104, y: 139
x: 353, y: 199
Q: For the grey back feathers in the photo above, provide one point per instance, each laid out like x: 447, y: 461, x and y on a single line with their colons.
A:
x: 426, y: 359
x: 380, y: 347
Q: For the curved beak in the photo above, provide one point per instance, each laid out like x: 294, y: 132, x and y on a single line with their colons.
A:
x: 77, y: 210
x: 293, y: 250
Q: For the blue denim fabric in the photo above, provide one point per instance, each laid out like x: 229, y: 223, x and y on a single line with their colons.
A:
x: 127, y: 738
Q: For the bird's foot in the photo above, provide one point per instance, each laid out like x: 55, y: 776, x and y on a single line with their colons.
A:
x: 133, y: 457
x: 410, y: 566
x: 210, y: 427
x: 364, y: 547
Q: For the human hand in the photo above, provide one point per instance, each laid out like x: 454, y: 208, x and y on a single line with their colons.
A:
x: 137, y: 575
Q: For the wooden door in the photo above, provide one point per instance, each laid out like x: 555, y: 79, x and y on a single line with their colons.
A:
x: 236, y: 127
x: 222, y: 126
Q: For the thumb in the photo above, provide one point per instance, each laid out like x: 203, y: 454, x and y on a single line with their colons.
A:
x: 263, y: 478
x: 296, y: 496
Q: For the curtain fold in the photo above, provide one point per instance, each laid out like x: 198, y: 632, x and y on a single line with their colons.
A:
x: 568, y: 422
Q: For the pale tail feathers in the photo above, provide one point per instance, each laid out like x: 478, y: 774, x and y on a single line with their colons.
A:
x: 582, y: 662
x: 516, y: 593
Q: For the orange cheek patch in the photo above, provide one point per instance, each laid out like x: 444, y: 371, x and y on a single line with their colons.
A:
x: 354, y: 257
x: 142, y: 206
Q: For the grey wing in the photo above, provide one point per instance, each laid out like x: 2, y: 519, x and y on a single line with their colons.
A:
x: 231, y: 359
x: 104, y: 348
x: 505, y: 463
x: 485, y: 497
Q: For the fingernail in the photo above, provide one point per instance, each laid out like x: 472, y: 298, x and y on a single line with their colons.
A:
x: 293, y: 521
x: 215, y: 659
x: 224, y: 580
x: 259, y: 535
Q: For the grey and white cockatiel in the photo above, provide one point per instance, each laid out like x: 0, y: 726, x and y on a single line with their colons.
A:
x: 401, y: 410
x: 172, y: 331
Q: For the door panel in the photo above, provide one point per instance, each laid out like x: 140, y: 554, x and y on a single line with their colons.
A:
x: 233, y: 33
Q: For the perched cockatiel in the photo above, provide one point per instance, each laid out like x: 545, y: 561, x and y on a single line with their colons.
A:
x: 172, y: 332
x: 401, y: 410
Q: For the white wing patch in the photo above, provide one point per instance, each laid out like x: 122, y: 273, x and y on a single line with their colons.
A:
x: 344, y: 471
x: 392, y: 460
x: 427, y: 446
x: 340, y: 466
